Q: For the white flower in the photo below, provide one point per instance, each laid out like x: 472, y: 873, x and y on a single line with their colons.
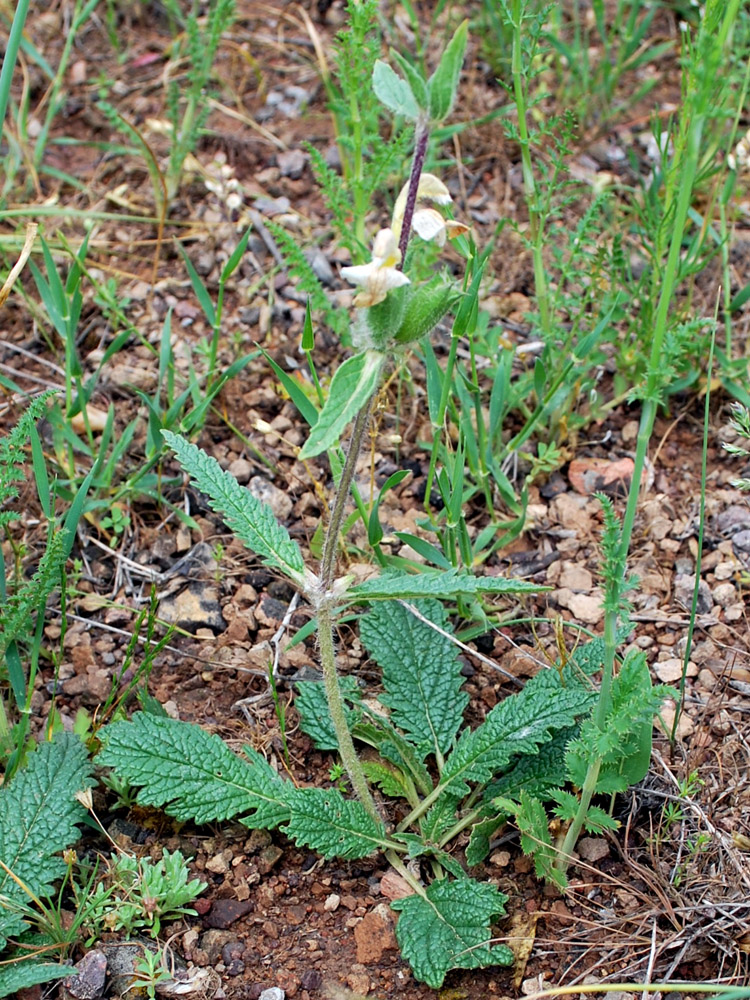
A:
x: 431, y: 188
x: 430, y: 225
x: 428, y: 222
x: 379, y: 276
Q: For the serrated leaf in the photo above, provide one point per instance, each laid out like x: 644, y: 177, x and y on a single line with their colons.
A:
x: 192, y: 773
x: 250, y: 519
x: 421, y: 672
x: 536, y: 773
x: 393, y: 92
x: 389, y: 779
x: 517, y: 725
x: 440, y: 817
x: 38, y: 817
x: 315, y: 719
x: 449, y: 928
x: 351, y: 387
x: 445, y: 586
x: 443, y: 84
x: 321, y: 818
x: 22, y: 975
x: 531, y: 819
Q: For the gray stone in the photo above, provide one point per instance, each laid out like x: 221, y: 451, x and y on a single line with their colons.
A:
x: 197, y: 606
x: 735, y: 518
x: 292, y: 163
x: 683, y: 594
x: 273, y: 993
x: 279, y: 501
x: 88, y: 982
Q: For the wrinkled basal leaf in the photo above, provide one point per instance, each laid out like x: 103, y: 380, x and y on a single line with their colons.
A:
x: 449, y: 928
x: 517, y: 725
x: 22, y: 975
x: 315, y: 719
x: 444, y: 585
x: 38, y: 817
x: 192, y: 773
x: 421, y: 672
x: 351, y: 387
x: 337, y: 827
x: 250, y: 519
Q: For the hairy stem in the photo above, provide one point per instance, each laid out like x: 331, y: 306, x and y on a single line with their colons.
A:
x: 330, y: 545
x: 337, y: 711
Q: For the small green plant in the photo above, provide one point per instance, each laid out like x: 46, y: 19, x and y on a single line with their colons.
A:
x: 136, y: 893
x: 151, y: 970
x: 452, y: 778
x: 187, y: 98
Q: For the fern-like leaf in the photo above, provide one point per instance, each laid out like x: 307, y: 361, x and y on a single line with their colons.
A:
x: 421, y: 672
x: 38, y: 817
x: 16, y: 613
x: 449, y: 928
x: 192, y: 773
x: 535, y: 839
x: 12, y: 454
x: 250, y: 519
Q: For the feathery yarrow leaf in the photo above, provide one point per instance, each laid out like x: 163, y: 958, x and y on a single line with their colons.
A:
x: 192, y: 773
x: 250, y: 519
x: 449, y: 928
x: 421, y: 672
x: 38, y: 817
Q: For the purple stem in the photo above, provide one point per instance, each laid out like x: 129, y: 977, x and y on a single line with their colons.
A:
x: 420, y: 151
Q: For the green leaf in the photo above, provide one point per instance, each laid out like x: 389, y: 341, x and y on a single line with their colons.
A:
x: 315, y: 719
x: 351, y: 387
x: 623, y: 744
x: 38, y: 817
x: 449, y: 928
x: 296, y: 393
x: 192, y: 773
x: 517, y: 725
x: 536, y: 772
x: 321, y: 818
x: 443, y: 84
x: 445, y: 586
x: 414, y: 78
x: 250, y: 519
x: 374, y: 530
x: 425, y: 308
x: 393, y: 92
x: 22, y: 975
x: 440, y: 817
x: 535, y: 839
x: 421, y: 672
x: 389, y: 779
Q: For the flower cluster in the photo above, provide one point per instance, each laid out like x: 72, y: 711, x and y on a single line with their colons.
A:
x: 383, y: 272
